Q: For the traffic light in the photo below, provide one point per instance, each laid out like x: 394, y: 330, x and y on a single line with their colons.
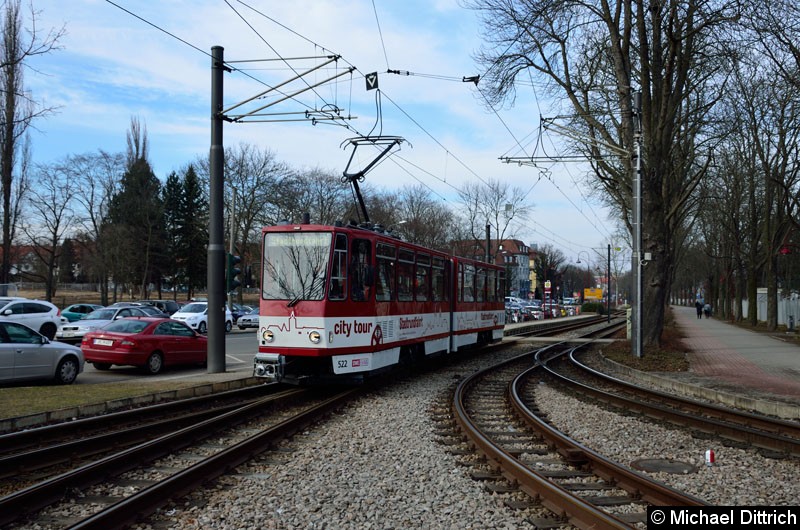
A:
x: 233, y: 271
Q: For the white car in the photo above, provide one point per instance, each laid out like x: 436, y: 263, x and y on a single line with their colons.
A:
x: 27, y: 355
x: 195, y: 315
x: 38, y: 315
x: 74, y: 331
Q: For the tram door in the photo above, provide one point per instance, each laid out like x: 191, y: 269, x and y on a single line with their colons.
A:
x: 338, y: 286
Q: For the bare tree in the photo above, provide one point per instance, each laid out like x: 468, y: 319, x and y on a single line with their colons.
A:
x: 777, y: 34
x: 426, y: 221
x: 595, y: 55
x: 256, y: 185
x: 137, y: 142
x: 549, y: 266
x: 493, y: 203
x: 770, y: 116
x: 323, y: 195
x: 98, y: 176
x: 18, y: 109
x: 382, y: 205
x: 50, y: 217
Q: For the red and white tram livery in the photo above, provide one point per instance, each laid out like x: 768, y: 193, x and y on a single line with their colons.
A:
x: 339, y: 303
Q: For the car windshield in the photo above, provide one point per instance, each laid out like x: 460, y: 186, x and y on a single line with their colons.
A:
x: 194, y: 308
x: 126, y: 326
x: 295, y: 265
x: 4, y: 302
x: 100, y: 314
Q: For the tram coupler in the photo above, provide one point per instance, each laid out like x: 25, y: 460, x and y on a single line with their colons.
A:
x: 269, y: 366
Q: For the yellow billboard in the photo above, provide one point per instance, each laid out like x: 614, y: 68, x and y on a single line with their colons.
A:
x: 592, y: 294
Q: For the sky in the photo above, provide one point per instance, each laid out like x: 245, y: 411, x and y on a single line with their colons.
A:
x: 151, y: 60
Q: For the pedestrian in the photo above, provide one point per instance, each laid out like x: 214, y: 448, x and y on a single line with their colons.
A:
x: 699, y: 306
x: 707, y: 310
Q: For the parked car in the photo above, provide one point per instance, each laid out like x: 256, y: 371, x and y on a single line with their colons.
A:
x: 166, y: 306
x: 195, y: 315
x: 75, y: 331
x: 514, y: 313
x: 38, y: 315
x: 152, y: 311
x: 27, y: 355
x: 126, y: 303
x: 238, y: 310
x: 249, y: 320
x: 78, y: 311
x: 535, y: 310
x: 551, y: 310
x: 147, y: 342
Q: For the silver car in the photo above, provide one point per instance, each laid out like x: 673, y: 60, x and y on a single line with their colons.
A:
x: 74, y: 331
x: 249, y: 320
x: 27, y: 355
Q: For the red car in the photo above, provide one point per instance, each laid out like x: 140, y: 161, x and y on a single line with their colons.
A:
x: 148, y: 342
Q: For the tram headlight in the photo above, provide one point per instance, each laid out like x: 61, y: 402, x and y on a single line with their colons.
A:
x: 268, y: 336
x: 314, y: 337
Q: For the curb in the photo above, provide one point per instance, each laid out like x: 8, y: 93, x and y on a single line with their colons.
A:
x: 94, y: 409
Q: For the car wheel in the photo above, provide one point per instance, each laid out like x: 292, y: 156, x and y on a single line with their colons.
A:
x: 67, y: 371
x: 228, y: 326
x: 154, y: 363
x: 102, y: 366
x: 201, y: 328
x: 48, y: 329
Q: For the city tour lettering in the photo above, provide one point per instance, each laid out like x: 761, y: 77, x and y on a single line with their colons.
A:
x: 355, y: 327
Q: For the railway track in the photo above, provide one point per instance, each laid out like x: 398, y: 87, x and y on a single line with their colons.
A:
x: 548, y: 328
x: 492, y: 408
x: 120, y: 488
x: 496, y: 411
x: 111, y: 479
x: 82, y: 429
x: 769, y: 434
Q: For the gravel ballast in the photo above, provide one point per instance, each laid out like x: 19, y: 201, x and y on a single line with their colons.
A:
x: 378, y: 464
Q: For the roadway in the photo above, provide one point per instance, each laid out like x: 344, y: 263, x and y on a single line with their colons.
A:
x: 240, y: 348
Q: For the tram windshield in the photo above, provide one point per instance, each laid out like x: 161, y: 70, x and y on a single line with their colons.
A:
x: 295, y: 265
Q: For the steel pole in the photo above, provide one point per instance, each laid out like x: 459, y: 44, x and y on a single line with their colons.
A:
x: 608, y: 285
x: 216, y: 241
x: 637, y: 229
x: 488, y: 242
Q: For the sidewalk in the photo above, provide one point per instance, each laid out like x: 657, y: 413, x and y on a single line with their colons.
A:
x: 742, y: 358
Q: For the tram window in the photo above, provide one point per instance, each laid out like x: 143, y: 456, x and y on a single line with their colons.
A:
x: 384, y: 286
x: 480, y: 285
x: 438, y: 290
x: 460, y: 282
x: 295, y: 265
x: 491, y: 285
x: 423, y: 274
x: 386, y: 251
x: 469, y: 283
x: 501, y: 285
x: 338, y: 285
x: 405, y: 275
x: 360, y: 270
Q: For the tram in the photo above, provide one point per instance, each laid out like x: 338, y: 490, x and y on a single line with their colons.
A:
x: 342, y: 303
